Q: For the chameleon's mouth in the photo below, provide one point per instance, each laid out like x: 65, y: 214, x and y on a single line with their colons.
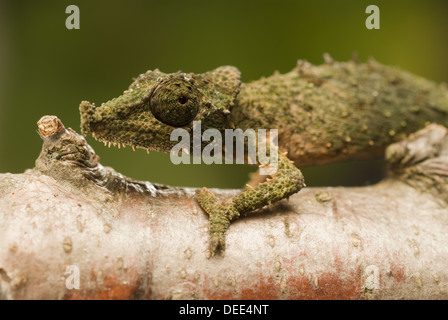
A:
x: 113, y: 126
x: 93, y: 122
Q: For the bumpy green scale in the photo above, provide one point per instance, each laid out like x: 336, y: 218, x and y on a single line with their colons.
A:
x: 325, y: 113
x: 339, y: 111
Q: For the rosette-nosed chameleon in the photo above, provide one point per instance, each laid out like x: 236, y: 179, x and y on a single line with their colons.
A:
x: 332, y: 112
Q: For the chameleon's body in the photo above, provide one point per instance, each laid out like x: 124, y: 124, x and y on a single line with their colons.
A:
x: 339, y: 111
x: 324, y: 113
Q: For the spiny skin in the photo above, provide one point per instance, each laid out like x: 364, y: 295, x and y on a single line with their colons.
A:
x: 129, y: 119
x: 324, y: 113
x: 340, y: 111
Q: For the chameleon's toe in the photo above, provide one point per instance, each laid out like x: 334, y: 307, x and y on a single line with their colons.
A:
x: 220, y: 215
x: 219, y: 223
x: 217, y: 243
x: 207, y: 200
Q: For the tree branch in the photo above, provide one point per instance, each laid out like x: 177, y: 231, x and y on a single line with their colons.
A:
x: 137, y: 240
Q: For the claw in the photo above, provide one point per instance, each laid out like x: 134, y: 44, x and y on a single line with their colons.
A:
x: 217, y: 245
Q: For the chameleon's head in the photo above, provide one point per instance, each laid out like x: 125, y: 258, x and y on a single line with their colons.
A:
x: 156, y: 103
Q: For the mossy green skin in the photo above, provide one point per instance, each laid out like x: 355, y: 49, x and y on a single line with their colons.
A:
x: 156, y: 103
x: 325, y: 113
x: 340, y: 111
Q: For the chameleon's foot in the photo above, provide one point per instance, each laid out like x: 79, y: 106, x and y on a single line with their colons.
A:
x: 287, y: 180
x: 219, y: 224
x: 220, y: 215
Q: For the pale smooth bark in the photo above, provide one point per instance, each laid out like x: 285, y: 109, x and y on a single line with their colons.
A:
x: 136, y: 240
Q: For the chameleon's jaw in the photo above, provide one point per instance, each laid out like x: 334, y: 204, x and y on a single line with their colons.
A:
x: 92, y: 122
x: 104, y: 124
x: 118, y: 126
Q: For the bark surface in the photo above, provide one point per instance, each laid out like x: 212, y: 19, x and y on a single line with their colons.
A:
x: 137, y: 240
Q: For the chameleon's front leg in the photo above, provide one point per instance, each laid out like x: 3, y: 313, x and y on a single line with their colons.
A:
x: 286, y: 181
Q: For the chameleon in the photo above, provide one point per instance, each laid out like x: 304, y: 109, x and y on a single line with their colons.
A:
x: 326, y: 113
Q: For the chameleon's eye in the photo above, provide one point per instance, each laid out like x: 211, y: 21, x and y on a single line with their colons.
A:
x: 183, y: 100
x: 175, y: 102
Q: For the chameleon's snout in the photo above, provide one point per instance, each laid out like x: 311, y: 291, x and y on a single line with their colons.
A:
x: 86, y: 110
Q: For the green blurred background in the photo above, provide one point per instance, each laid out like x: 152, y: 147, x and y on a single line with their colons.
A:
x: 46, y: 69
